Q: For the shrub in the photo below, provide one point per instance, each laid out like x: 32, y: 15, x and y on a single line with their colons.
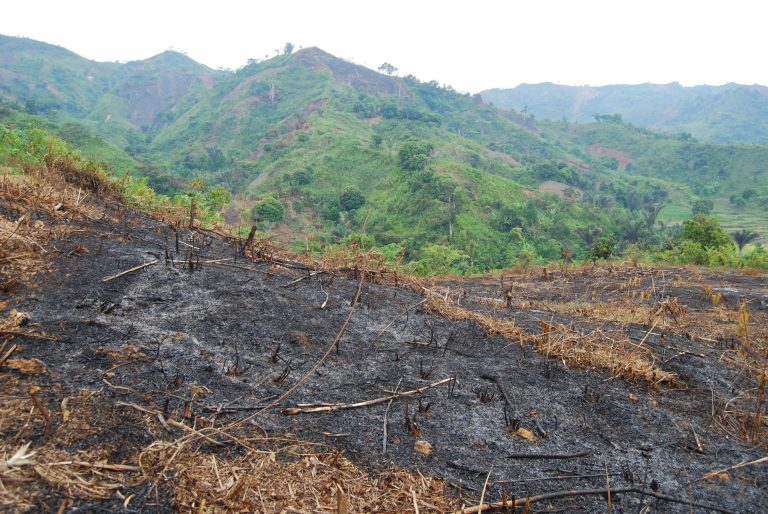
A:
x: 706, y: 231
x: 351, y: 199
x: 269, y: 209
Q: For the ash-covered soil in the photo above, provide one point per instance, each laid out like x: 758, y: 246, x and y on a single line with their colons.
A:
x: 244, y: 331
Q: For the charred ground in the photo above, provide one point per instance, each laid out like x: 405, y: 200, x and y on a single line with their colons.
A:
x: 181, y: 363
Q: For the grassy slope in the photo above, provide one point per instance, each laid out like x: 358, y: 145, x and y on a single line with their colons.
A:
x: 253, y: 129
x: 689, y: 170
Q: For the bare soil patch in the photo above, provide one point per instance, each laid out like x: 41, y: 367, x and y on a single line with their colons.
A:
x: 600, y: 150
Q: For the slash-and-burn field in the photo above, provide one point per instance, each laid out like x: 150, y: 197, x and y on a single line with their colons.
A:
x: 147, y: 367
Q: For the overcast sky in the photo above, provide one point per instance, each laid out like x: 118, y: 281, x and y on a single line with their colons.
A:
x: 472, y: 45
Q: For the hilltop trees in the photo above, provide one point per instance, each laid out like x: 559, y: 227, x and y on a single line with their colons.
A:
x: 387, y: 68
x: 288, y: 48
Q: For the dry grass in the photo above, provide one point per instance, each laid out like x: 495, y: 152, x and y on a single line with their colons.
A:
x: 615, y: 353
x: 204, y: 468
x: 286, y: 475
x: 24, y: 233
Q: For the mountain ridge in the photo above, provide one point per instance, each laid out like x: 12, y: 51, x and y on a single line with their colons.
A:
x: 726, y: 114
x: 328, y: 149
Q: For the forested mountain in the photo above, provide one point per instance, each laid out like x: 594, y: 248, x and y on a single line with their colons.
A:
x: 317, y: 150
x: 732, y: 113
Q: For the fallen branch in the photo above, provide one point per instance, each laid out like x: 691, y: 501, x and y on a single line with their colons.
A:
x: 305, y: 408
x: 586, y: 492
x: 135, y: 268
x: 717, y: 472
x: 303, y: 278
x: 549, y: 455
x: 386, y: 415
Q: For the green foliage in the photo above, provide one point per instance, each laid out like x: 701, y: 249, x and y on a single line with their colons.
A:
x: 603, y: 248
x: 431, y: 166
x: 702, y: 207
x: 743, y: 238
x: 706, y: 232
x: 440, y: 260
x: 218, y: 197
x: 269, y: 210
x: 351, y: 199
x: 414, y: 155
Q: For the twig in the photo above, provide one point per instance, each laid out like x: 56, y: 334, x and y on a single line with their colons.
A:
x: 135, y: 268
x: 396, y: 318
x: 8, y: 353
x: 592, y: 492
x: 482, y: 494
x: 126, y: 388
x: 98, y: 465
x: 716, y: 472
x: 304, y: 408
x: 386, y: 413
x: 558, y: 477
x: 549, y: 455
x: 303, y: 278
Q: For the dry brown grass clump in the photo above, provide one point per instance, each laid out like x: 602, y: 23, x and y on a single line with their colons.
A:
x: 287, y: 475
x: 34, y: 212
x: 616, y: 353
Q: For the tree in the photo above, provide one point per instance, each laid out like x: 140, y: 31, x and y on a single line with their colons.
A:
x: 351, y: 199
x: 414, y: 155
x: 269, y: 209
x: 218, y: 197
x: 588, y: 234
x: 633, y: 231
x: 603, y: 248
x: 706, y: 231
x: 288, y: 48
x: 441, y: 260
x: 651, y: 212
x: 743, y: 238
x: 702, y: 207
x: 387, y: 68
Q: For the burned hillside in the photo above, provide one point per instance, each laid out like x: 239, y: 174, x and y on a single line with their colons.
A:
x: 154, y: 366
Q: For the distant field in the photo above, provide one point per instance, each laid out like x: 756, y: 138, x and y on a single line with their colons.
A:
x: 733, y: 219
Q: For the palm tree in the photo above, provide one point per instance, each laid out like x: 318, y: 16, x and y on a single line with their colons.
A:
x: 651, y: 212
x: 588, y: 234
x: 743, y: 238
x: 633, y: 231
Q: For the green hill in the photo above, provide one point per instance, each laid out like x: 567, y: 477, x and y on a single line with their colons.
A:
x: 318, y: 150
x: 732, y: 113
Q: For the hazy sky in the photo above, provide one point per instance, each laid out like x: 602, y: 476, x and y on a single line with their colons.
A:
x: 470, y: 45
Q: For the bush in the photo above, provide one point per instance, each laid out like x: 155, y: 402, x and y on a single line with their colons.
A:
x: 441, y: 260
x: 702, y: 207
x: 414, y: 155
x: 603, y: 248
x: 269, y: 209
x: 706, y: 231
x: 351, y: 199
